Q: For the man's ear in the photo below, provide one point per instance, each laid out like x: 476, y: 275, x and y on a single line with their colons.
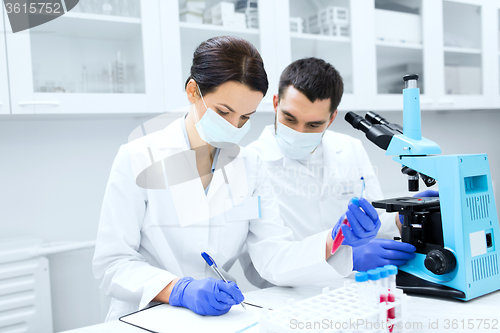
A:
x: 192, y: 91
x: 332, y: 117
x: 276, y: 100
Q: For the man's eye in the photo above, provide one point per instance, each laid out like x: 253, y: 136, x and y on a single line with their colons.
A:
x: 290, y: 119
x: 314, y: 126
x: 245, y: 117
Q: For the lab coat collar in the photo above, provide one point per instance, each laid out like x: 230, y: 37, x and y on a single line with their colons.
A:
x: 172, y: 136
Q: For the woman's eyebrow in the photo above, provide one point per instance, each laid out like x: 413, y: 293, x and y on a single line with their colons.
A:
x: 230, y: 109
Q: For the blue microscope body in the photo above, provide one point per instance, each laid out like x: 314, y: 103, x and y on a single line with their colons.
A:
x: 457, y: 235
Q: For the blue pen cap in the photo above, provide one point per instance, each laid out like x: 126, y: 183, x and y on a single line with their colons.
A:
x: 208, y: 259
x: 384, y: 272
x: 393, y: 270
x: 361, y: 277
x: 373, y: 274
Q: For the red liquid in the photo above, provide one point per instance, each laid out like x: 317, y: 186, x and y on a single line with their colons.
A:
x: 391, y: 313
x: 383, y: 298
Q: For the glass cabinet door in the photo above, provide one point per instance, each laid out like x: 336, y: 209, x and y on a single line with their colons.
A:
x: 4, y: 83
x: 399, y: 44
x: 462, y: 48
x: 101, y: 57
x: 322, y: 29
x: 200, y: 20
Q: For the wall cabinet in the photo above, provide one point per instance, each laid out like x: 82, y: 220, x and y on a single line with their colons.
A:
x: 134, y: 56
x: 4, y: 82
x: 102, y: 57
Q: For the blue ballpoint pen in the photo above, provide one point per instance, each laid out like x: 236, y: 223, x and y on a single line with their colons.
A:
x: 212, y: 264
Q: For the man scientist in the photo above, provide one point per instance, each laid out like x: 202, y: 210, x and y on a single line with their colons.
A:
x: 315, y: 172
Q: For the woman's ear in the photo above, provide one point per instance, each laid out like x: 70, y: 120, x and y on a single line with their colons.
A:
x: 192, y: 91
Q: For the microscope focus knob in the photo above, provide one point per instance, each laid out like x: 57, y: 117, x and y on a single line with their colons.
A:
x: 440, y: 261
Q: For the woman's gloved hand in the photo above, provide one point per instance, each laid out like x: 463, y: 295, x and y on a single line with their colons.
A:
x: 379, y: 252
x: 207, y: 296
x: 363, y: 224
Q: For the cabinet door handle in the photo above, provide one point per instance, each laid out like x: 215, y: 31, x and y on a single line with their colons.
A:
x: 47, y: 103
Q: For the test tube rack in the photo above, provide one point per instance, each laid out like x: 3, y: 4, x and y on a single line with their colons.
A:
x: 339, y: 310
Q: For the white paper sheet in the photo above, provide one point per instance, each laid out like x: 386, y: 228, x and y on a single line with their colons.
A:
x: 166, y: 318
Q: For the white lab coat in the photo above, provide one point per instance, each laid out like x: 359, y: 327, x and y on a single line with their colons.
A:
x: 141, y: 245
x: 310, y: 205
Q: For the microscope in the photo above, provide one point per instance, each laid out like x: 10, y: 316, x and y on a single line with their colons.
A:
x: 457, y: 234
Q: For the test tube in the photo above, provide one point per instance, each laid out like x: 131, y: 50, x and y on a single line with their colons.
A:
x: 384, y: 283
x: 393, y: 270
x: 363, y: 288
x: 374, y: 283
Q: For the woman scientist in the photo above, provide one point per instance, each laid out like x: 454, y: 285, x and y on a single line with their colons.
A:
x: 189, y: 188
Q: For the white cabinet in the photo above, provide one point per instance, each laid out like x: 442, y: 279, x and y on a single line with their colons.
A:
x: 131, y: 56
x: 102, y: 57
x: 4, y: 82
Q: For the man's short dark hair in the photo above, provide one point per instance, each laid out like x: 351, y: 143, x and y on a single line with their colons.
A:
x: 315, y: 78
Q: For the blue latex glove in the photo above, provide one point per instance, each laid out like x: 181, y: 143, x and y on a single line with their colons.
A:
x: 207, y: 296
x: 423, y: 194
x: 379, y: 252
x: 427, y: 194
x: 364, y: 224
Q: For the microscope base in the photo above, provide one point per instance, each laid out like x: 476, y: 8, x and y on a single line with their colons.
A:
x: 412, y: 284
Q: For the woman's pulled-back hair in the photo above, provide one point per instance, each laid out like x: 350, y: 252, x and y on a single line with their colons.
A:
x: 228, y: 58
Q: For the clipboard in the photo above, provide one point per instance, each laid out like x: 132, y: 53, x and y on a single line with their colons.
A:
x: 163, y: 318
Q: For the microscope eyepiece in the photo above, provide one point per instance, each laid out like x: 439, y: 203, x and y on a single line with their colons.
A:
x: 410, y: 81
x: 410, y: 77
x: 375, y: 118
x: 357, y: 122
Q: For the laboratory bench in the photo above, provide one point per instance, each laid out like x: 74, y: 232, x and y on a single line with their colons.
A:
x: 426, y: 313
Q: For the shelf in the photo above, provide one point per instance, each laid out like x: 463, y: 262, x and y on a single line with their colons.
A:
x: 320, y: 37
x: 461, y: 50
x: 217, y: 28
x: 98, y: 17
x: 93, y: 26
x: 399, y: 45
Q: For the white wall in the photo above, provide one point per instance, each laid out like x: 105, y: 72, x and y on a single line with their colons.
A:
x: 54, y: 169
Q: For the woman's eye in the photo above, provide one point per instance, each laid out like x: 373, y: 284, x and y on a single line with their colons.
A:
x: 314, y: 126
x: 289, y: 119
x: 245, y: 117
x: 221, y: 112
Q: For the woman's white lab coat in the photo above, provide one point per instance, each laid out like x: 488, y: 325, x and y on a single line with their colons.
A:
x: 150, y: 234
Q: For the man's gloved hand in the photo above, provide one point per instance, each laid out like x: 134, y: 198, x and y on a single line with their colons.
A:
x: 363, y: 224
x: 207, y: 296
x: 427, y: 194
x: 423, y: 194
x: 379, y: 252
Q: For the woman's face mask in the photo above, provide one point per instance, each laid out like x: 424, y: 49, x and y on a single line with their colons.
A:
x: 217, y: 131
x: 296, y: 145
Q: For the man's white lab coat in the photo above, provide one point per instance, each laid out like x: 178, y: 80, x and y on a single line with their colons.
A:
x: 310, y: 204
x: 147, y: 238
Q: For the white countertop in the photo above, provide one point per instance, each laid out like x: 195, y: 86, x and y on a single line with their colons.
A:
x: 428, y: 314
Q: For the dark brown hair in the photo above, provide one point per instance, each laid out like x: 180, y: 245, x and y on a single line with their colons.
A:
x: 228, y: 58
x: 315, y: 78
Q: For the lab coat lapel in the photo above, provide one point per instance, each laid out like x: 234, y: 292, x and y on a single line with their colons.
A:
x: 236, y: 176
x: 182, y: 176
x: 331, y: 149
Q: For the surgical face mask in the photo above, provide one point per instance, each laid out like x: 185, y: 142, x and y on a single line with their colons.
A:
x: 296, y: 145
x: 217, y: 131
